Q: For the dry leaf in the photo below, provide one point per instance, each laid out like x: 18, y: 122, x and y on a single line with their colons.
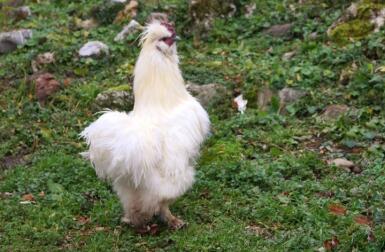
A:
x: 331, y: 244
x: 337, y: 209
x: 362, y: 220
x: 28, y: 197
x: 82, y: 220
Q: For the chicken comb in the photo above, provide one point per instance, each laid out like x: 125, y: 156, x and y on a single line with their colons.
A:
x: 170, y: 28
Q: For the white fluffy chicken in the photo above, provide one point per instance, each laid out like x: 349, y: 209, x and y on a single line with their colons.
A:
x: 149, y: 153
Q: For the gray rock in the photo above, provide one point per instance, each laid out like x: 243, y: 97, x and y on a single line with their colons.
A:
x: 114, y: 99
x: 93, y: 48
x: 289, y: 95
x: 131, y: 28
x: 264, y: 98
x: 10, y: 40
x: 334, y: 111
x: 22, y: 12
x: 207, y: 94
x: 281, y: 30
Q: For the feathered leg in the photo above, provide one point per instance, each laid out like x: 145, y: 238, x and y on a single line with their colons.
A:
x: 136, y: 212
x: 166, y: 215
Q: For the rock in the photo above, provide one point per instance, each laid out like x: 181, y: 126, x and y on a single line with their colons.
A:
x: 341, y: 162
x: 131, y: 28
x: 334, y: 111
x: 114, y: 99
x: 287, y: 56
x: 41, y: 60
x: 345, y: 164
x: 281, y: 30
x: 45, y: 86
x: 206, y: 94
x: 357, y: 21
x: 130, y: 11
x: 162, y: 17
x: 93, y: 49
x: 22, y: 12
x: 264, y: 98
x: 87, y: 24
x: 289, y: 95
x: 10, y: 40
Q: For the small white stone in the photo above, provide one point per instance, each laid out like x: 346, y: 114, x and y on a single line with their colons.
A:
x: 93, y: 48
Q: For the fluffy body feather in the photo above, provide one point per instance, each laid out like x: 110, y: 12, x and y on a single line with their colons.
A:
x: 149, y: 153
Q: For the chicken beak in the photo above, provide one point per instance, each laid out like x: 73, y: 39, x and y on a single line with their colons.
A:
x: 177, y: 38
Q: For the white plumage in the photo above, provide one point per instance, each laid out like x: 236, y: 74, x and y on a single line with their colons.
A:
x: 149, y: 153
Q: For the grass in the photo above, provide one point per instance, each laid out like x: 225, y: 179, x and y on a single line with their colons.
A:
x: 263, y: 183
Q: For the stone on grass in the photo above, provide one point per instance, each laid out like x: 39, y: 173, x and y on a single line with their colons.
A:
x: 264, y: 98
x: 131, y: 28
x: 93, y: 49
x: 208, y: 93
x: 10, y: 40
x: 114, y: 99
x: 334, y: 111
x: 280, y: 30
x: 289, y: 95
x: 345, y: 164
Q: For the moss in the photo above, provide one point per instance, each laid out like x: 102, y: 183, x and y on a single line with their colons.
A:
x: 121, y: 88
x: 222, y: 151
x: 355, y: 29
x: 364, y: 10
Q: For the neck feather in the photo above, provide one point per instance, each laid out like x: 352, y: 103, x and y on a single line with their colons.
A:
x: 158, y: 83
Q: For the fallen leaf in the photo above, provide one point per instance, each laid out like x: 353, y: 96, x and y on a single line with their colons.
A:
x: 337, y: 209
x: 331, y: 244
x: 82, y: 220
x: 45, y: 86
x: 28, y: 197
x: 362, y: 220
x: 240, y: 103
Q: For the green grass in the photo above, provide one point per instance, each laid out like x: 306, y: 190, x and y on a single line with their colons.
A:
x: 262, y: 184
